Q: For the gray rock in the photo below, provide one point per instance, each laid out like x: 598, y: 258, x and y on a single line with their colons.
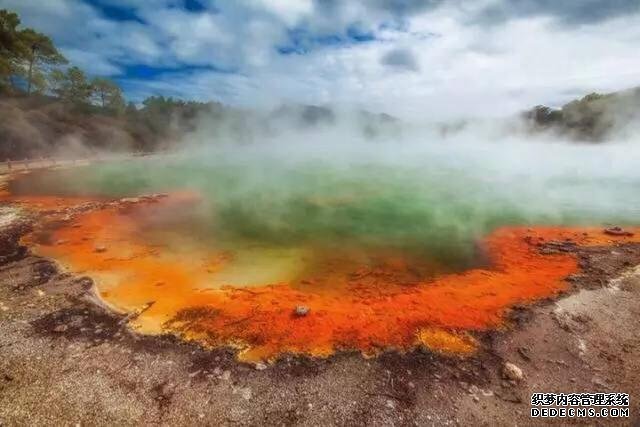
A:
x: 301, y: 310
x: 60, y: 328
x: 512, y: 372
x: 130, y: 200
x: 618, y: 232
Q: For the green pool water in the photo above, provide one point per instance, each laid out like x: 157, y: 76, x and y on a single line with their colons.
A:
x: 426, y: 200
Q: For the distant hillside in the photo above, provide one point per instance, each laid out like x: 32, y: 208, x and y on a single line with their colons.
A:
x: 37, y: 125
x: 593, y: 118
x: 369, y: 125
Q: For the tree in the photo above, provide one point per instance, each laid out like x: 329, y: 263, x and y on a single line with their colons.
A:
x: 131, y: 110
x: 39, y: 52
x: 9, y: 45
x: 57, y: 81
x: 108, y: 95
x: 71, y: 86
x: 78, y: 90
x: 25, y: 53
x: 9, y: 22
x: 544, y: 116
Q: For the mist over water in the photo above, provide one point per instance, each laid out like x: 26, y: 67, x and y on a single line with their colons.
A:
x: 425, y: 197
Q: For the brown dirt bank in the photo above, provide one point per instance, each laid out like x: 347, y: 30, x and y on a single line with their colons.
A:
x: 66, y: 360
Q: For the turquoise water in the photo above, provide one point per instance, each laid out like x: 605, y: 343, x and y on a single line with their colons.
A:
x: 426, y: 201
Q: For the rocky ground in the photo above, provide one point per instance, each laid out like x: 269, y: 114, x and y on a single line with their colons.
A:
x: 65, y: 360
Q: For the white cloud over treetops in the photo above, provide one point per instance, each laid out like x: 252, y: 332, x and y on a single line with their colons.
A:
x: 466, y: 57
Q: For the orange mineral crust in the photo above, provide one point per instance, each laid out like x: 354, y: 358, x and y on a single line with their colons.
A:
x: 180, y: 288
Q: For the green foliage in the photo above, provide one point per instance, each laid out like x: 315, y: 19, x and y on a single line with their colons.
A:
x: 9, y: 22
x: 9, y: 46
x: 592, y: 118
x: 545, y: 116
x: 167, y: 116
x: 38, y: 53
x: 71, y: 86
x: 108, y: 95
x: 25, y: 53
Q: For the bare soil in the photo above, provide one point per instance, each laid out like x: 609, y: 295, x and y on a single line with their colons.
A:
x: 67, y: 360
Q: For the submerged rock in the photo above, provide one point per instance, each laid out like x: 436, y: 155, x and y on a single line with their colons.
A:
x: 617, y: 231
x: 130, y: 200
x: 301, y: 310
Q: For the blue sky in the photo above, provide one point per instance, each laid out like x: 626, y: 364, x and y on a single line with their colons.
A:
x: 418, y: 58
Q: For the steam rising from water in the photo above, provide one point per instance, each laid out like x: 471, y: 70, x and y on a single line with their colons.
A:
x: 424, y: 196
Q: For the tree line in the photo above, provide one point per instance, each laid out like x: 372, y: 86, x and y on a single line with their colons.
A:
x: 594, y: 118
x: 55, y: 98
x: 31, y: 63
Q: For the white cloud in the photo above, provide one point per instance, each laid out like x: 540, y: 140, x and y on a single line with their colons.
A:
x: 289, y: 11
x: 92, y: 62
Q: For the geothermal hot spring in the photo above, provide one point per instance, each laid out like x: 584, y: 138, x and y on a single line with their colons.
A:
x: 388, y: 246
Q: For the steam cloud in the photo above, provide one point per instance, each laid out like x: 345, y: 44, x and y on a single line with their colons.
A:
x: 313, y: 176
